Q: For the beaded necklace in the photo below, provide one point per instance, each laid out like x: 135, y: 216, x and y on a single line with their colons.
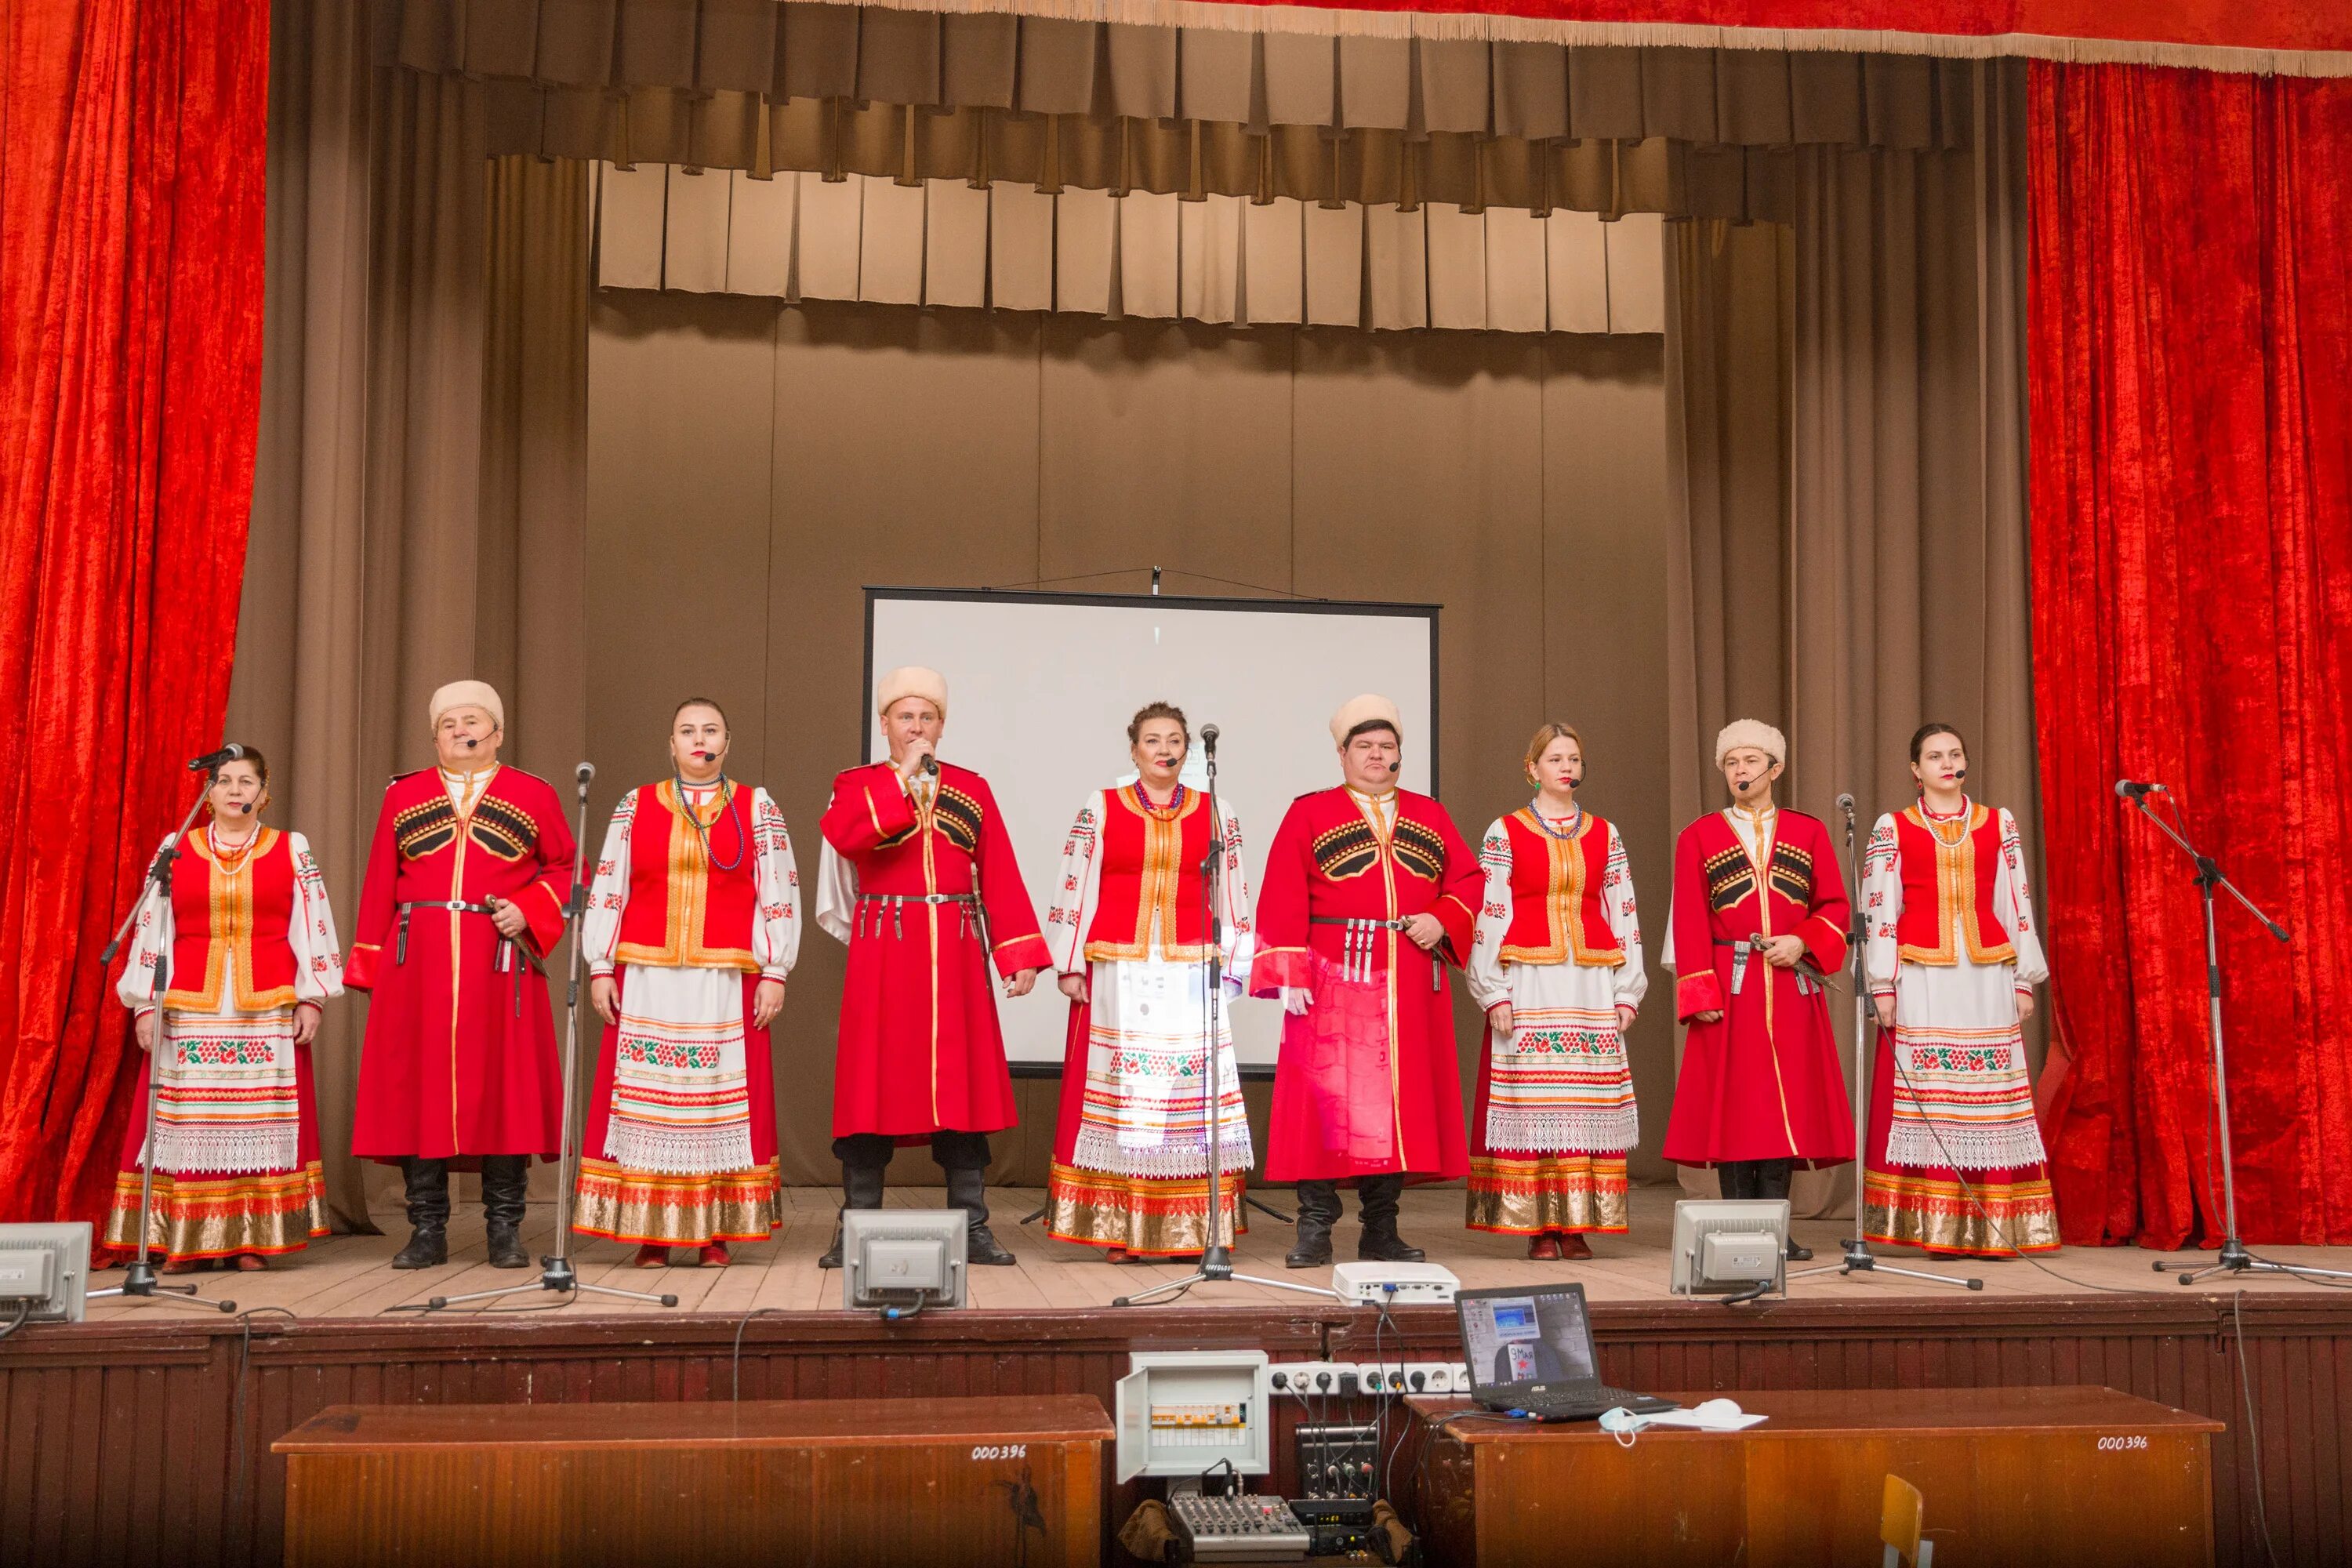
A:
x: 1575, y: 823
x: 231, y: 862
x: 1168, y: 813
x: 725, y: 808
x: 1936, y: 820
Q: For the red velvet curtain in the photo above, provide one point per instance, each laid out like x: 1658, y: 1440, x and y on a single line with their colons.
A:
x: 130, y: 248
x: 2191, y: 368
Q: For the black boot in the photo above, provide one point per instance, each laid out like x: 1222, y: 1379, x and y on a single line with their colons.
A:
x: 1376, y: 1204
x: 429, y: 1215
x: 1772, y: 1179
x: 1737, y: 1179
x: 506, y: 1178
x: 968, y: 1191
x: 1319, y: 1211
x: 861, y: 1188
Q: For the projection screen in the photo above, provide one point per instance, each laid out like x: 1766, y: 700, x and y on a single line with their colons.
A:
x: 1041, y: 686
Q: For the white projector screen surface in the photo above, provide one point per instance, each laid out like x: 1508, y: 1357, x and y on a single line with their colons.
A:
x: 1040, y: 688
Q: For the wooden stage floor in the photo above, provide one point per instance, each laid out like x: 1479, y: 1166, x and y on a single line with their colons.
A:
x: 346, y: 1276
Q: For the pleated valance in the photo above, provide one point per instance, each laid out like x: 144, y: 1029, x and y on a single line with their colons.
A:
x: 761, y: 85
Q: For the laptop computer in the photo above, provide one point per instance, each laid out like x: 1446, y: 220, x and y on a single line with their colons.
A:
x: 1529, y: 1349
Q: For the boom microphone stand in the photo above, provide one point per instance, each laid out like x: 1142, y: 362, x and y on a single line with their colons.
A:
x: 1217, y: 1257
x: 1859, y: 1258
x: 139, y: 1281
x: 556, y: 1272
x: 2234, y: 1257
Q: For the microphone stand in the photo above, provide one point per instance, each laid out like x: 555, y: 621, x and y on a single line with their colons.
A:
x: 1858, y: 1258
x: 1217, y: 1257
x: 139, y: 1278
x: 556, y: 1272
x: 2234, y: 1256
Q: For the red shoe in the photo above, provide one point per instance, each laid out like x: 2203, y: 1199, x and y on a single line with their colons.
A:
x: 182, y: 1265
x: 250, y: 1262
x: 1573, y: 1244
x: 650, y: 1257
x: 1118, y: 1255
x: 712, y: 1257
x: 1544, y: 1248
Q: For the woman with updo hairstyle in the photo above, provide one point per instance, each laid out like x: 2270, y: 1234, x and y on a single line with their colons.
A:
x: 226, y: 981
x: 1129, y: 931
x: 1954, y: 1162
x: 1557, y: 965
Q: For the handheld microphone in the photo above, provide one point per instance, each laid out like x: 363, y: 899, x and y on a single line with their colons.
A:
x: 2131, y: 789
x: 212, y: 759
x: 932, y: 765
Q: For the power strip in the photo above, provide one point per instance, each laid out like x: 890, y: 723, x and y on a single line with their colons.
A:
x: 1316, y: 1378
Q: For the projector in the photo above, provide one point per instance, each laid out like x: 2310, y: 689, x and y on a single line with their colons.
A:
x: 1394, y: 1284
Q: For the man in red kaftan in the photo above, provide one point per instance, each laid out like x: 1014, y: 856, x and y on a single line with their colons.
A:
x: 918, y: 876
x: 466, y: 885
x: 1369, y: 892
x: 1758, y: 926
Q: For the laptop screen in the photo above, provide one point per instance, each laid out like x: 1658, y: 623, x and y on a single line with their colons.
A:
x: 1535, y: 1335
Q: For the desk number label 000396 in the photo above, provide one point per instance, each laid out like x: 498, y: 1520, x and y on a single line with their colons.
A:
x: 1001, y: 1451
x: 2121, y: 1445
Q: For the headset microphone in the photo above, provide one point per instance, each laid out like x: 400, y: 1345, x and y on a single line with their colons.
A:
x: 1959, y: 775
x: 471, y: 743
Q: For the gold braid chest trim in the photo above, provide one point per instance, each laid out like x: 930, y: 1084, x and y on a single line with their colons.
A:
x: 1418, y: 848
x: 427, y: 828
x: 1791, y: 872
x: 1730, y: 877
x: 502, y: 827
x: 1347, y: 851
x: 959, y: 817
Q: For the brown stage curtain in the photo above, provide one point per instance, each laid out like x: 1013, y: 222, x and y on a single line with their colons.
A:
x: 421, y: 457
x: 1850, y: 558
x: 913, y: 94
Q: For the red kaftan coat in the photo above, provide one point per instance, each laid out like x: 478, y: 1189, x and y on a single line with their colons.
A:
x: 459, y: 1059
x: 921, y: 1051
x: 1367, y: 1082
x: 1762, y: 1083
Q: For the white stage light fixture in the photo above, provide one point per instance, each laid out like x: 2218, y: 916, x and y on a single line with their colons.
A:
x: 44, y: 1272
x: 1730, y: 1247
x: 903, y: 1260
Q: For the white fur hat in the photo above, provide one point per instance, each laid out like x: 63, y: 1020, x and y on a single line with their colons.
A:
x: 912, y: 680
x: 1362, y: 710
x: 468, y: 694
x: 1751, y: 732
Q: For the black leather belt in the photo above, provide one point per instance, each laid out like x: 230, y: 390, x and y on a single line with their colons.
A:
x: 1356, y: 962
x: 505, y: 961
x: 898, y: 902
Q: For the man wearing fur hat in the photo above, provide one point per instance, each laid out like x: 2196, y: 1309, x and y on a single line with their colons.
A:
x: 467, y: 886
x: 1369, y: 894
x: 1758, y: 920
x: 918, y: 876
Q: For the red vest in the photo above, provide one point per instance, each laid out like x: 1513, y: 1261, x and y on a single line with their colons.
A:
x: 683, y: 911
x: 1148, y: 872
x: 1556, y: 915
x: 1947, y: 887
x: 231, y: 927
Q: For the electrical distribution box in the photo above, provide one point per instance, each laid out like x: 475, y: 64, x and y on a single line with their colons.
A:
x: 1182, y: 1412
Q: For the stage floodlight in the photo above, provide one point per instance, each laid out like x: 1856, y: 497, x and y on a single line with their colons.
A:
x: 903, y: 1259
x: 47, y: 1266
x: 1729, y: 1246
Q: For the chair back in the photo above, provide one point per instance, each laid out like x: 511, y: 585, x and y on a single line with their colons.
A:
x: 1899, y: 1521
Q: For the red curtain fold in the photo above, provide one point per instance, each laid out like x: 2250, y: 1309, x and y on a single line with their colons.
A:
x: 2190, y: 322
x: 130, y: 253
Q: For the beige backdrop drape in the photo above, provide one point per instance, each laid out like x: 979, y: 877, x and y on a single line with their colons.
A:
x: 1849, y: 555
x: 417, y: 495
x: 423, y: 506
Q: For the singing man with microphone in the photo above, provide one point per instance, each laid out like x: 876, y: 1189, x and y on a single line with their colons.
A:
x: 466, y: 885
x: 1369, y: 892
x: 1758, y: 920
x: 918, y: 876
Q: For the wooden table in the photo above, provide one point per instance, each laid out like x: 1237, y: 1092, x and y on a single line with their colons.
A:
x: 849, y: 1482
x: 2012, y: 1475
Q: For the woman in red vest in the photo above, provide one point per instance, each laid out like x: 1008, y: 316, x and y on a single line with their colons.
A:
x: 1955, y: 1161
x: 250, y: 945
x: 1557, y: 965
x: 1129, y: 932
x: 692, y: 925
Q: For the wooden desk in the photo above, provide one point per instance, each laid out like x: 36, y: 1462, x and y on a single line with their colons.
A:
x: 2012, y: 1477
x: 848, y: 1481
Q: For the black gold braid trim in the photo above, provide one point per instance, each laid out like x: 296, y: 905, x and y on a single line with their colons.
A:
x: 1730, y: 876
x: 959, y: 818
x: 1791, y: 871
x: 425, y: 828
x: 1348, y: 849
x: 1418, y: 848
x: 503, y: 828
